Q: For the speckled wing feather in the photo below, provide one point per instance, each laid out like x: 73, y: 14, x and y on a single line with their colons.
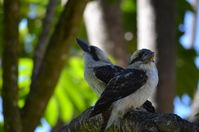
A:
x: 126, y: 83
x: 106, y: 73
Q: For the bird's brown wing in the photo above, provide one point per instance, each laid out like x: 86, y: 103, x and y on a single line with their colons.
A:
x: 126, y: 83
x: 107, y: 72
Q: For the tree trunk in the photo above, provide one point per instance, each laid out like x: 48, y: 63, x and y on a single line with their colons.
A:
x: 156, y: 31
x: 133, y: 121
x: 12, y: 121
x: 105, y: 30
x: 52, y: 64
x: 44, y: 37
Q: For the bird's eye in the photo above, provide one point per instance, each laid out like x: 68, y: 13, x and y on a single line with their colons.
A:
x: 140, y: 55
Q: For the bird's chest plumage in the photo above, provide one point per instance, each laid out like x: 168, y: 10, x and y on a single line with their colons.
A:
x: 138, y: 98
x: 97, y: 85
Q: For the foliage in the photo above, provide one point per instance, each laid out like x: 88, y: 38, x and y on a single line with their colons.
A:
x: 72, y: 94
x: 1, y: 26
x: 185, y: 57
x: 197, y: 114
x: 32, y: 13
x: 128, y: 8
x: 25, y: 69
x: 186, y: 70
x: 1, y: 126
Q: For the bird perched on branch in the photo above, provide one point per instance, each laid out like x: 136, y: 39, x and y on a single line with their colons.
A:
x: 129, y: 89
x: 98, y: 69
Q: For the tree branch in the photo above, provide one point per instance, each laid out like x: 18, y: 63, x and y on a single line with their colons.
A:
x: 133, y: 121
x: 11, y: 111
x: 44, y: 37
x: 43, y: 87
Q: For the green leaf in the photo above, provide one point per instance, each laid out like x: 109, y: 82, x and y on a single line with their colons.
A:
x: 128, y: 6
x: 1, y: 126
x: 25, y: 71
x: 197, y: 114
x: 25, y: 66
x: 51, y: 113
x: 112, y: 1
x: 73, y: 89
x: 1, y: 79
x: 35, y: 1
x: 184, y: 5
x: 187, y: 72
x: 65, y: 106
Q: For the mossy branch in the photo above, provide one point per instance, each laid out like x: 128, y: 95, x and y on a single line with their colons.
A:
x: 133, y: 121
x: 12, y: 121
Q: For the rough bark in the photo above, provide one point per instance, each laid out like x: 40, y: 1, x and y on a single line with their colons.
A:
x: 133, y: 121
x: 44, y: 36
x: 12, y: 121
x: 104, y: 26
x: 156, y: 31
x: 166, y: 46
x: 53, y: 61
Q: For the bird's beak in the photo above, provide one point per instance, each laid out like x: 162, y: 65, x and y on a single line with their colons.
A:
x: 149, y: 57
x: 85, y: 47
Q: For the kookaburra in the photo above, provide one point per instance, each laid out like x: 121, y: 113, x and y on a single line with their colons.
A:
x: 129, y: 89
x: 98, y: 69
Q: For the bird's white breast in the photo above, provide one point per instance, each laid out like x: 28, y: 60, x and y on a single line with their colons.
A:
x: 97, y: 85
x: 138, y: 98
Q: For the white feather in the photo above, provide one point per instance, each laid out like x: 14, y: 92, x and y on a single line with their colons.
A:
x: 137, y: 98
x: 97, y: 85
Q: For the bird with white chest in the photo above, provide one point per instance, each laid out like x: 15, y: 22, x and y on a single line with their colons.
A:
x: 129, y: 89
x: 98, y: 69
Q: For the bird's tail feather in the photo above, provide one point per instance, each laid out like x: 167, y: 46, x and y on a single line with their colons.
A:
x: 112, y: 118
x: 97, y: 110
x: 103, y: 127
x: 105, y: 115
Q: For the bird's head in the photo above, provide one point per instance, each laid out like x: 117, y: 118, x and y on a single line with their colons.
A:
x: 92, y: 52
x: 143, y: 58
